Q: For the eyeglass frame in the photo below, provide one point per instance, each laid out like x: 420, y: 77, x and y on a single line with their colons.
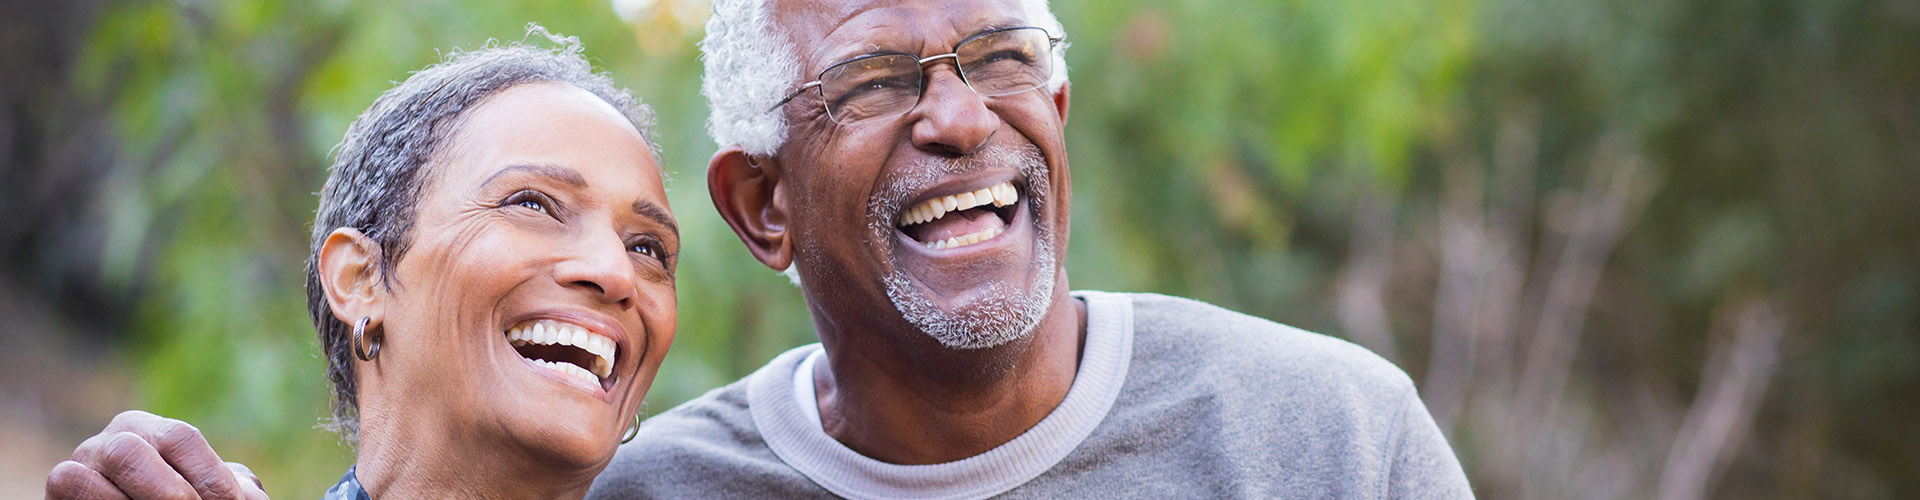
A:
x: 1053, y: 46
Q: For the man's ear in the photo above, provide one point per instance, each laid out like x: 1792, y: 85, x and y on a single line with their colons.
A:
x: 349, y: 272
x: 1060, y: 101
x: 747, y: 192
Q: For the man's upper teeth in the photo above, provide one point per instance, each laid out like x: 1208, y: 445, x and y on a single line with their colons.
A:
x: 557, y: 333
x: 999, y: 195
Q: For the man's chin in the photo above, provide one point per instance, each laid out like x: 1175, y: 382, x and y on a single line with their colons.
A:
x: 986, y: 315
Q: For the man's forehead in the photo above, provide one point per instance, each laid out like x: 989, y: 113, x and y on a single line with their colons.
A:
x: 897, y: 21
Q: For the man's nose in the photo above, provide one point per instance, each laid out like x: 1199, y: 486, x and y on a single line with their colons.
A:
x: 951, y: 119
x: 598, y: 265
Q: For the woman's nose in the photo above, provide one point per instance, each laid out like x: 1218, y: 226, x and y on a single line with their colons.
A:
x: 599, y: 265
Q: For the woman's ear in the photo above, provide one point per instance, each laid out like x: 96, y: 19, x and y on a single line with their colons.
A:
x: 747, y: 192
x: 349, y: 272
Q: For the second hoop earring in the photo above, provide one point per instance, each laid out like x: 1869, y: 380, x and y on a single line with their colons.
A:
x: 635, y: 430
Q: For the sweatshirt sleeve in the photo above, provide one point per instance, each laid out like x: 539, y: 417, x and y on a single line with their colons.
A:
x: 1423, y: 466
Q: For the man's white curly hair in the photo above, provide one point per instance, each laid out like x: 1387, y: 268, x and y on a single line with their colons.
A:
x: 751, y: 64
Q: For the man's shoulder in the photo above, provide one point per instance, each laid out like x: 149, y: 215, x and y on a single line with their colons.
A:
x: 719, y: 420
x: 705, y: 446
x: 1190, y: 336
x: 1239, y: 406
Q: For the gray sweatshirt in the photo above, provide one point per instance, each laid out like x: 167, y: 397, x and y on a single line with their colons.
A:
x: 1174, y: 398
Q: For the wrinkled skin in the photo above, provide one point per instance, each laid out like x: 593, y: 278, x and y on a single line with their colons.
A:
x: 889, y: 385
x: 547, y: 205
x: 533, y: 215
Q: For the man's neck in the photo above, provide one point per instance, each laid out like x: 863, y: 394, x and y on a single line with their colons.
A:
x: 946, y: 405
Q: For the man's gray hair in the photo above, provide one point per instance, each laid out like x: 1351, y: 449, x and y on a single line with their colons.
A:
x: 381, y: 167
x: 751, y: 64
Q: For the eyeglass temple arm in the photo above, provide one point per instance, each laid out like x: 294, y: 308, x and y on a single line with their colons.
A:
x: 796, y: 93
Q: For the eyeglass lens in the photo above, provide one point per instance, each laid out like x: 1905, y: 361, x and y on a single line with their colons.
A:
x: 995, y: 64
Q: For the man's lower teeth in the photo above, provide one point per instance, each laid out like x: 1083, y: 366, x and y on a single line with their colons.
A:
x: 965, y: 239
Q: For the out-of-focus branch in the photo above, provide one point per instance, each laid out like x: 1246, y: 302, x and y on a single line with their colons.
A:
x: 1617, y: 189
x: 1463, y: 268
x: 1731, y: 389
x: 1483, y: 255
x: 1362, y: 297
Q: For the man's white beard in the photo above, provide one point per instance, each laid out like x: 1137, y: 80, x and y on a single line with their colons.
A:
x: 1004, y: 312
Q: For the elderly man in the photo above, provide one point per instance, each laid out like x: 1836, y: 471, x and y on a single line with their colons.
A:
x: 905, y: 161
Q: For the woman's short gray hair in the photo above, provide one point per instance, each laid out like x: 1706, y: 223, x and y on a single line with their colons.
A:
x: 379, y: 168
x: 751, y: 64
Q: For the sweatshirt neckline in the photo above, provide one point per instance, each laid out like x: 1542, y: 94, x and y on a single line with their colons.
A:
x: 788, y: 419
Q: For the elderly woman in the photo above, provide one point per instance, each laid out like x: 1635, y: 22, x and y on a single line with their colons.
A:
x: 492, y: 278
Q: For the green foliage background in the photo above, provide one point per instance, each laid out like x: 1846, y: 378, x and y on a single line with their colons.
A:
x: 1305, y: 161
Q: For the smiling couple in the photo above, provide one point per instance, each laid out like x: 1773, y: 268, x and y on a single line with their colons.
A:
x: 492, y: 279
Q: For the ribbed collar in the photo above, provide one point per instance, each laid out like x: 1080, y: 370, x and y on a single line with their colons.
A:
x: 783, y: 417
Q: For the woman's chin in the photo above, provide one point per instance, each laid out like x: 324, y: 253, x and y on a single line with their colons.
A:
x: 563, y: 429
x: 565, y: 444
x: 563, y: 424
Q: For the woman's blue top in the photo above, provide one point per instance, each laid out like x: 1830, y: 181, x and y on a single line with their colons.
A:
x: 347, y: 489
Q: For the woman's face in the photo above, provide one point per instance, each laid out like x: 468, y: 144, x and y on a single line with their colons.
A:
x: 536, y: 301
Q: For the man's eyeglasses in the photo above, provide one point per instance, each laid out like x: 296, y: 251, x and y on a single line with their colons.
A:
x: 995, y: 63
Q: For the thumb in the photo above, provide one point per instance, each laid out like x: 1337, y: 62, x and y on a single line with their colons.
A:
x: 250, y: 487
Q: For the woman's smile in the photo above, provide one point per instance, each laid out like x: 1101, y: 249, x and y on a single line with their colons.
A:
x: 533, y: 302
x: 572, y: 349
x: 547, y: 246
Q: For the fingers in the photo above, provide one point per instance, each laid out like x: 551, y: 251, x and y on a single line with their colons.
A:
x: 134, y: 466
x: 184, y: 449
x: 72, y: 480
x: 250, y: 487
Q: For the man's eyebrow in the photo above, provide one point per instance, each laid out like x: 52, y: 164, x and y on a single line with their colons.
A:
x: 1000, y: 24
x: 563, y: 174
x: 658, y: 214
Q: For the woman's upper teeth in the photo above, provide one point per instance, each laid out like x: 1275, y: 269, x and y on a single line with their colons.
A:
x: 999, y: 195
x: 556, y: 333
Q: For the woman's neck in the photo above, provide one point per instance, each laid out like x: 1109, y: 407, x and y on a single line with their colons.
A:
x: 428, y: 465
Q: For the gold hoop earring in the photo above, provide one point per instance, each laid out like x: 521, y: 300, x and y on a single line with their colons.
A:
x: 360, y: 330
x: 635, y: 430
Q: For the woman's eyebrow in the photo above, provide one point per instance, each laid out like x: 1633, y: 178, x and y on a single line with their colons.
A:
x: 563, y: 174
x: 654, y: 211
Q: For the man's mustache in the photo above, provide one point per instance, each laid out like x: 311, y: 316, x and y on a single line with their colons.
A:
x: 922, y: 174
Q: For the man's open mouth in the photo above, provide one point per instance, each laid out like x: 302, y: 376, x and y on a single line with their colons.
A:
x: 567, y: 349
x: 958, y: 220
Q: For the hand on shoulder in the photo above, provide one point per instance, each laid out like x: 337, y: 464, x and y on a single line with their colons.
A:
x: 142, y: 455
